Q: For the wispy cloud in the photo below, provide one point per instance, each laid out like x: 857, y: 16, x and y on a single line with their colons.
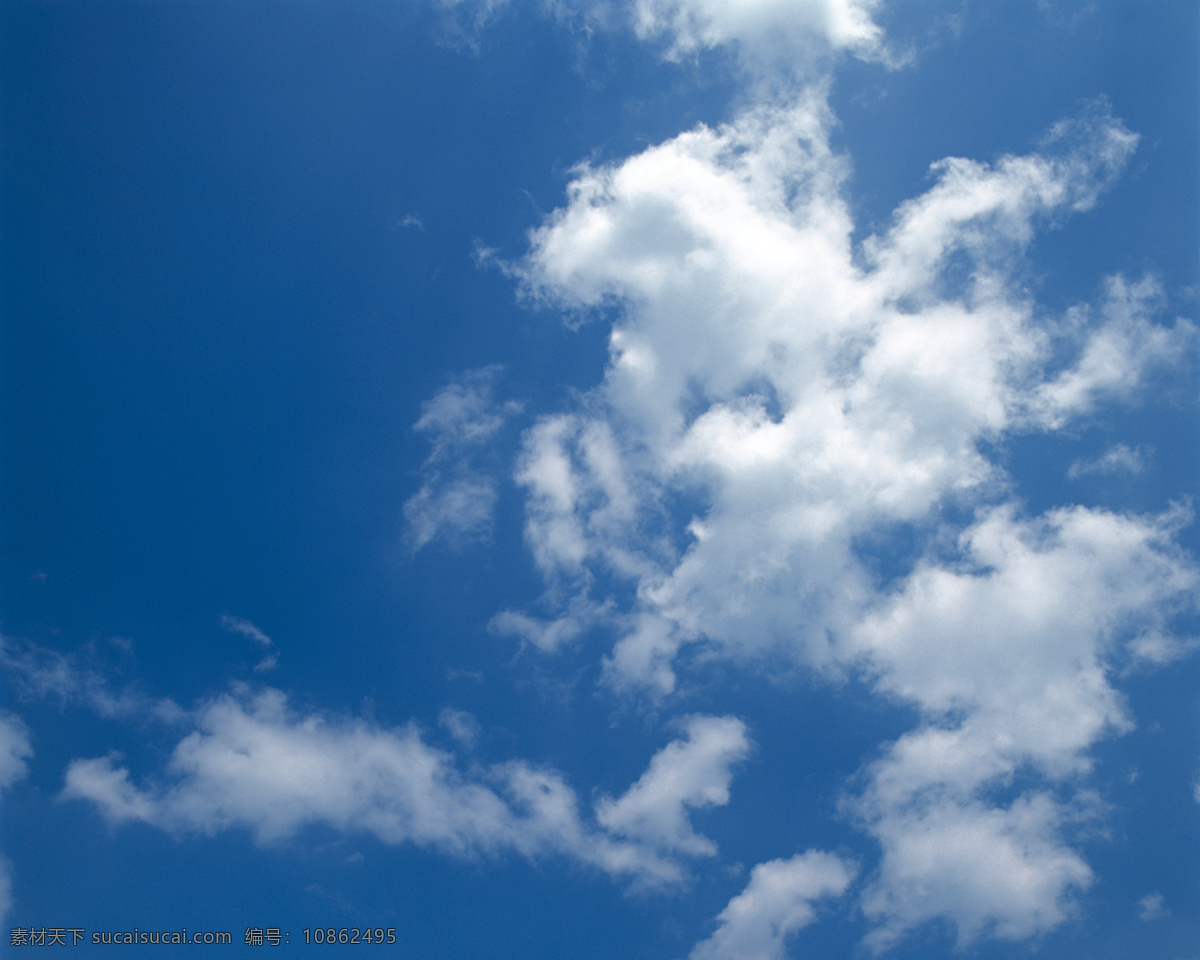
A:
x: 1119, y: 458
x: 15, y: 750
x: 462, y: 726
x: 768, y: 40
x: 457, y: 499
x: 39, y: 673
x: 247, y: 629
x: 1150, y: 907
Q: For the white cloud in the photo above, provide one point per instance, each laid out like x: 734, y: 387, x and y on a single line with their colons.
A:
x: 988, y: 213
x: 687, y: 773
x: 252, y: 762
x: 463, y: 413
x: 763, y: 33
x: 1117, y: 355
x: 988, y: 633
x: 809, y: 399
x: 5, y: 887
x: 247, y: 629
x: 1000, y: 869
x: 1005, y: 652
x: 465, y: 21
x: 770, y: 39
x: 804, y: 397
x: 451, y: 507
x: 806, y: 408
x: 41, y: 673
x: 15, y: 750
x: 1119, y: 458
x: 576, y: 616
x: 777, y: 902
x: 456, y: 499
x: 1150, y: 907
x: 548, y: 635
x: 462, y: 726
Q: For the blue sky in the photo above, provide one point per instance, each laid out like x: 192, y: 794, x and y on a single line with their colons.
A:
x: 651, y: 479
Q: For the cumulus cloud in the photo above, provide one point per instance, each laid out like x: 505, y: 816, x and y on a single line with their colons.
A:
x: 777, y: 902
x: 456, y: 499
x: 983, y: 867
x: 992, y: 630
x: 253, y: 762
x: 806, y: 393
x: 806, y: 399
x: 1005, y: 649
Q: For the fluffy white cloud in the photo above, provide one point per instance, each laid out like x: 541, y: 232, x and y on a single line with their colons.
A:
x: 770, y: 39
x: 763, y: 32
x: 803, y: 394
x: 1005, y: 650
x: 777, y: 902
x: 453, y: 507
x: 254, y: 763
x: 1013, y: 635
x: 457, y: 499
x: 1001, y: 869
x: 805, y: 400
x: 687, y: 773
